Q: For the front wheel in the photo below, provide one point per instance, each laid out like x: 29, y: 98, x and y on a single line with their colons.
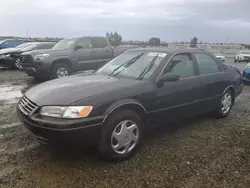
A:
x: 17, y: 64
x: 60, y: 70
x: 225, y: 105
x: 121, y: 135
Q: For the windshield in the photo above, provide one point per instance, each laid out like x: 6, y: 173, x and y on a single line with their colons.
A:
x: 64, y: 44
x: 245, y: 52
x: 135, y: 65
x: 29, y: 47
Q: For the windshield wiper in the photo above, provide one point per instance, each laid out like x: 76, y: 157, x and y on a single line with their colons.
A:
x: 127, y: 63
x: 147, y: 68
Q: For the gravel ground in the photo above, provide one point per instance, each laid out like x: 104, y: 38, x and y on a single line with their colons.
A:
x: 200, y: 152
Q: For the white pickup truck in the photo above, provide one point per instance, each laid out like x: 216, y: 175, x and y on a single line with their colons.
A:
x: 242, y: 56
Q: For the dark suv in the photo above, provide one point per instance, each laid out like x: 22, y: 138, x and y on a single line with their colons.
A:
x: 67, y: 56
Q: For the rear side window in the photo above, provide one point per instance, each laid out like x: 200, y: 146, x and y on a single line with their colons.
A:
x: 207, y: 65
x: 182, y: 65
x: 99, y: 43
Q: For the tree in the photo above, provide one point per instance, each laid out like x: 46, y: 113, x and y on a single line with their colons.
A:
x: 194, y: 42
x: 154, y: 41
x: 114, y: 38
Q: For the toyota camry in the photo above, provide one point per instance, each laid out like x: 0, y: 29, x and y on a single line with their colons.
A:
x: 111, y: 107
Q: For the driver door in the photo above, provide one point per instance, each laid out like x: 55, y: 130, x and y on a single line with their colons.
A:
x: 83, y: 55
x: 178, y: 99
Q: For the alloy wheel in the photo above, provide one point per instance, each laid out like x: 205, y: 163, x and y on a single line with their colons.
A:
x: 62, y: 72
x: 226, y: 103
x: 18, y: 63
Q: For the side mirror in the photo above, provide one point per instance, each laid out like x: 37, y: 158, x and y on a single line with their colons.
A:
x: 169, y: 77
x: 79, y: 46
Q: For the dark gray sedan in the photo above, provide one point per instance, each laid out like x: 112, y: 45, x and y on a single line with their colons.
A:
x: 141, y: 88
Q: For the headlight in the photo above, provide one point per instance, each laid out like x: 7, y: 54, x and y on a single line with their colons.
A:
x: 247, y: 66
x: 4, y: 56
x: 66, y: 112
x: 41, y: 56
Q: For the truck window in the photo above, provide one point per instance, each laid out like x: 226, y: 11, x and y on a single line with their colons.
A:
x: 85, y: 42
x: 99, y: 43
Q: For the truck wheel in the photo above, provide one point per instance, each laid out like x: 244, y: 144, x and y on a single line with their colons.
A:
x: 121, y: 135
x: 60, y: 70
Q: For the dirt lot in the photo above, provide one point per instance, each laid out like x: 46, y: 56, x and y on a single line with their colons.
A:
x: 200, y: 152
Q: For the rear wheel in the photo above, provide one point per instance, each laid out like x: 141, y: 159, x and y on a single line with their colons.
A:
x: 121, y: 136
x: 60, y: 70
x: 225, y: 105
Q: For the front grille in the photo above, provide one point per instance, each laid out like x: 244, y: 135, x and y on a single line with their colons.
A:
x: 27, y: 106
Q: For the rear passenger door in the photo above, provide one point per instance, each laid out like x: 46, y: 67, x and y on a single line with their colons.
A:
x: 212, y: 80
x: 101, y: 52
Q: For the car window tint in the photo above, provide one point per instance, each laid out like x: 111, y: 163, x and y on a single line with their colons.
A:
x: 182, y: 65
x: 99, y: 43
x: 207, y: 65
x: 86, y: 43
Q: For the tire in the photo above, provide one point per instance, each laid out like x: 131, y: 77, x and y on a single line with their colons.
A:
x: 223, y: 110
x: 64, y: 69
x: 17, y: 64
x: 113, y: 129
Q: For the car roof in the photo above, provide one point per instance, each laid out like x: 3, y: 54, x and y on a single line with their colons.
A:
x: 166, y: 50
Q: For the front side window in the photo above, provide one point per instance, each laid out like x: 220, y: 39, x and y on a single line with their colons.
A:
x: 99, y: 43
x: 182, y: 65
x: 207, y: 65
x: 86, y: 43
x: 135, y: 65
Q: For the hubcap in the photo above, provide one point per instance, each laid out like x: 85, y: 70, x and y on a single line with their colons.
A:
x: 62, y: 72
x: 125, y: 137
x: 18, y: 63
x: 226, y: 103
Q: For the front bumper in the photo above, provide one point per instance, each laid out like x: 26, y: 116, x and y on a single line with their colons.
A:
x: 87, y: 131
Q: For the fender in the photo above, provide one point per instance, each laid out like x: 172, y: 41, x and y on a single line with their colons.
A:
x: 60, y: 58
x: 121, y: 103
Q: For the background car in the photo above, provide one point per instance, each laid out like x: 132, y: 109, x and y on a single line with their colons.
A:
x: 10, y: 43
x: 10, y: 57
x: 139, y: 89
x: 246, y: 73
x: 242, y: 56
x: 68, y: 56
x: 220, y: 56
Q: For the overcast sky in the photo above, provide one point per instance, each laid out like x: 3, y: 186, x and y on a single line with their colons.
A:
x: 171, y: 20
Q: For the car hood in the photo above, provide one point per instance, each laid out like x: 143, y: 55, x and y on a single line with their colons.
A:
x: 47, y: 51
x: 9, y: 50
x: 65, y: 91
x: 248, y: 55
